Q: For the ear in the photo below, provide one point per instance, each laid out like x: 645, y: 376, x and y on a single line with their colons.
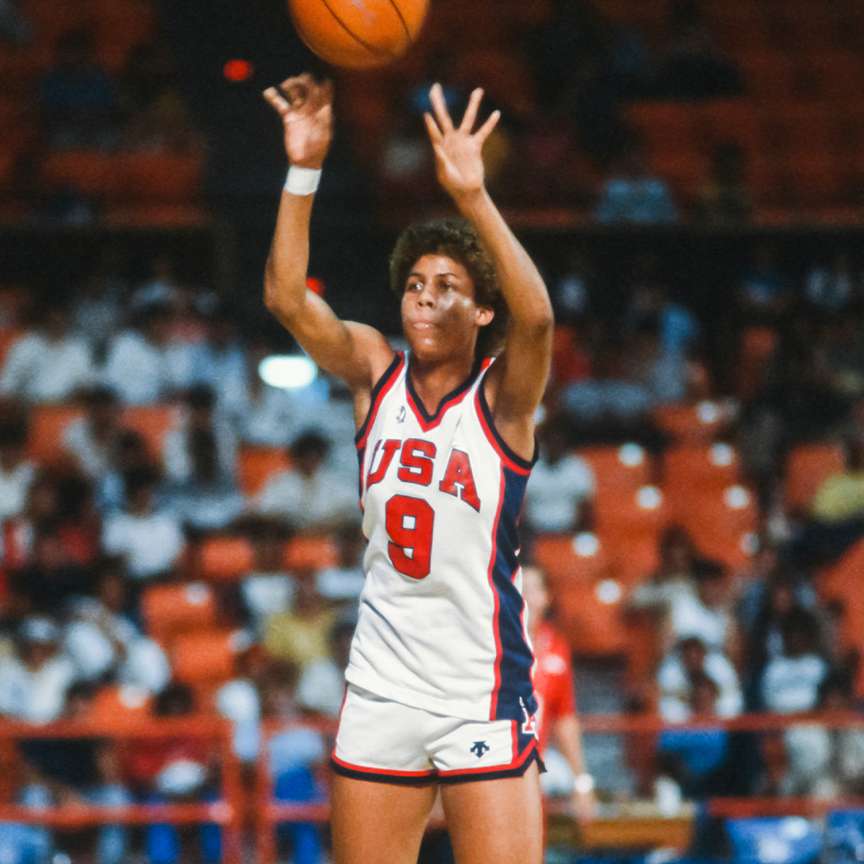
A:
x: 483, y: 315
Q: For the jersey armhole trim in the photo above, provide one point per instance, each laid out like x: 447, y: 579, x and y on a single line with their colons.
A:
x: 512, y: 460
x: 382, y: 385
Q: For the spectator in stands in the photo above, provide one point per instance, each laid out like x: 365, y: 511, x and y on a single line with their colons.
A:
x: 139, y: 363
x: 692, y: 66
x: 831, y: 287
x: 762, y: 617
x: 674, y: 577
x: 238, y: 700
x: 837, y: 512
x: 17, y: 472
x: 705, y: 612
x: 344, y: 581
x: 69, y: 770
x: 147, y: 537
x: 793, y: 676
x: 155, y: 117
x: 268, y: 589
x: 92, y: 439
x: 219, y: 362
x: 321, y: 687
x: 199, y: 419
x: 208, y: 498
x: 633, y: 194
x: 300, y: 635
x: 697, y: 759
x: 765, y: 290
x: 35, y: 679
x: 556, y: 717
x: 680, y: 667
x: 60, y: 542
x: 843, y: 353
x: 725, y: 198
x: 309, y: 496
x: 173, y: 769
x: 296, y: 754
x: 128, y: 455
x: 561, y: 488
x: 106, y: 645
x: 78, y: 100
x: 98, y: 309
x: 49, y: 363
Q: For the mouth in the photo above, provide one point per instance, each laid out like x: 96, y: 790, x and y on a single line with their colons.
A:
x: 422, y: 325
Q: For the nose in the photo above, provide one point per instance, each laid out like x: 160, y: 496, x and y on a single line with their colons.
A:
x: 426, y: 297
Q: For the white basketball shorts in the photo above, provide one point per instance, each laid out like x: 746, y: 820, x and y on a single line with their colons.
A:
x: 388, y: 742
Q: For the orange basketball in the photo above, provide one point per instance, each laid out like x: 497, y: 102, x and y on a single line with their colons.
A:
x: 359, y: 33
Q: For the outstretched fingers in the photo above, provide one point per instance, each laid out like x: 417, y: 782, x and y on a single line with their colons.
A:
x: 439, y: 108
x: 432, y: 128
x: 277, y: 101
x: 469, y: 118
x: 486, y: 129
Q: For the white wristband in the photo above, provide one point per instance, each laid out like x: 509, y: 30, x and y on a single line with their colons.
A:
x: 583, y: 783
x: 302, y: 181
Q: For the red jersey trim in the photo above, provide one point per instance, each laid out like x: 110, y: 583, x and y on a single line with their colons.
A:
x: 379, y: 391
x: 384, y: 772
x: 490, y: 576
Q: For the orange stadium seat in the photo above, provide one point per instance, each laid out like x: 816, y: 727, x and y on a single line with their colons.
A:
x: 8, y: 337
x: 664, y: 125
x: 807, y: 467
x: 770, y: 75
x: 591, y: 615
x: 167, y: 177
x: 120, y: 705
x: 710, y: 467
x: 256, y: 465
x: 617, y: 469
x: 308, y: 552
x: 224, y: 558
x: 731, y: 120
x: 691, y: 423
x: 207, y: 657
x: 724, y: 524
x: 566, y: 558
x: 169, y: 610
x: 91, y: 172
x: 47, y: 424
x: 757, y: 346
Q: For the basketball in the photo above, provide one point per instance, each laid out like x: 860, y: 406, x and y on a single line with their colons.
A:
x: 359, y: 34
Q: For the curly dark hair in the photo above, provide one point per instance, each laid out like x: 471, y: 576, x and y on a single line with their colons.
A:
x: 457, y: 239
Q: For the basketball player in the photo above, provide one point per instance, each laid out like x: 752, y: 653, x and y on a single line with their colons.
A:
x: 439, y: 677
x: 553, y: 685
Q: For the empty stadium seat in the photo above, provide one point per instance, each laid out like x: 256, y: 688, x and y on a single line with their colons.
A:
x: 169, y: 610
x: 47, y: 424
x: 712, y: 466
x: 691, y: 423
x: 206, y: 658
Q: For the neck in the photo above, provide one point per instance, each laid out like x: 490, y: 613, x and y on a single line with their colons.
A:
x: 435, y: 379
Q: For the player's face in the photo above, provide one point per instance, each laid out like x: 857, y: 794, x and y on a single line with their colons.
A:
x: 439, y: 315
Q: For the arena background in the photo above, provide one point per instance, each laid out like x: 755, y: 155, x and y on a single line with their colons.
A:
x: 689, y: 175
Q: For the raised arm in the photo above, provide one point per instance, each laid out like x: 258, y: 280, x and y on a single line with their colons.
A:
x: 518, y: 378
x: 357, y: 353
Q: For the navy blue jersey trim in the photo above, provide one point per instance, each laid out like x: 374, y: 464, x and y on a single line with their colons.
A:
x: 393, y: 779
x: 518, y: 771
x: 380, y: 384
x: 526, y: 464
x: 449, y: 397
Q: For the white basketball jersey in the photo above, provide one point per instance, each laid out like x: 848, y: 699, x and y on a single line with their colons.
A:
x: 441, y: 624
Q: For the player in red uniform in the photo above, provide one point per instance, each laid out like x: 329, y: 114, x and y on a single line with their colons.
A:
x: 553, y: 686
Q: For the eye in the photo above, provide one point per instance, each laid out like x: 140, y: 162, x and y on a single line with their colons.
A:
x: 414, y: 285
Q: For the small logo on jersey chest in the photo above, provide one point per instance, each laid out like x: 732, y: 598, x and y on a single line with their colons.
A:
x: 400, y: 417
x: 480, y: 749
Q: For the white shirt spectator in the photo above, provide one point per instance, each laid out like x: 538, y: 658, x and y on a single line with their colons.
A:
x: 43, y: 370
x: 340, y: 583
x: 266, y: 594
x: 675, y: 687
x: 556, y: 492
x: 93, y: 456
x: 140, y: 372
x: 308, y: 502
x: 321, y: 687
x: 98, y: 642
x: 150, y: 544
x: 689, y: 616
x: 791, y: 684
x: 14, y: 486
x: 35, y: 695
x: 238, y: 702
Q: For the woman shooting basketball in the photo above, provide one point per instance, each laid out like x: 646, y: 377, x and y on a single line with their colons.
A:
x: 439, y: 678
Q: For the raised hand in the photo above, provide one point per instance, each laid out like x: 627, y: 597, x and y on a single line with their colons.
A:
x: 306, y: 109
x: 458, y: 150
